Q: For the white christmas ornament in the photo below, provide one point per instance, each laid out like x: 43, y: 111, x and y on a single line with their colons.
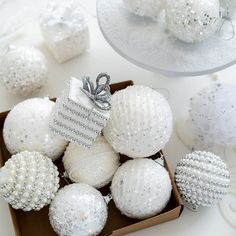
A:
x: 28, y: 181
x: 193, y: 20
x: 65, y: 29
x: 95, y: 166
x: 26, y: 127
x: 23, y: 70
x: 78, y: 209
x: 140, y: 123
x: 141, y: 188
x: 202, y: 179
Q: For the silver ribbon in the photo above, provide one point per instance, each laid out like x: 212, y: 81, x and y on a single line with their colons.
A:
x: 99, y: 95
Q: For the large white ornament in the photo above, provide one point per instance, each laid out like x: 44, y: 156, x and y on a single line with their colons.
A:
x: 28, y: 181
x: 23, y: 70
x: 140, y: 123
x: 193, y: 20
x: 141, y: 188
x: 202, y: 179
x: 95, y: 166
x: 26, y: 127
x: 78, y: 209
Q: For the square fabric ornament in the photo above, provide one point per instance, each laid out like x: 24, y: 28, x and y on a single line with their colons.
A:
x: 83, y: 110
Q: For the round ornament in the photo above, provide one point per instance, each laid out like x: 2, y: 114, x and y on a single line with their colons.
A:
x: 28, y: 181
x: 202, y: 179
x: 193, y: 20
x: 140, y: 122
x: 141, y: 188
x: 26, y: 127
x: 78, y: 209
x: 95, y: 166
x: 23, y: 70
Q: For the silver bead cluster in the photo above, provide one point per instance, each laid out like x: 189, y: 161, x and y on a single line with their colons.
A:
x: 202, y: 178
x: 31, y: 181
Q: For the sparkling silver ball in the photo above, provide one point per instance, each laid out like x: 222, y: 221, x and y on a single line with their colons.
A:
x: 202, y: 178
x: 23, y: 70
x: 28, y: 181
x: 193, y: 20
x: 140, y: 122
x: 26, y: 127
x: 78, y: 209
x: 95, y: 166
x: 141, y: 188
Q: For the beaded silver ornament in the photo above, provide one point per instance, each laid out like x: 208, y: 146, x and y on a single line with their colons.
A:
x: 28, y: 181
x: 202, y: 179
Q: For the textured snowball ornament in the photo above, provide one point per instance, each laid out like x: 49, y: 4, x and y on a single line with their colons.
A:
x: 140, y: 123
x: 141, y: 188
x: 193, y: 20
x: 28, y: 181
x: 202, y: 179
x: 95, y: 166
x: 78, y: 209
x: 26, y: 127
x: 23, y: 70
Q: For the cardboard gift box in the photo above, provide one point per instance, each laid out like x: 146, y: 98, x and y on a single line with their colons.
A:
x: 37, y: 223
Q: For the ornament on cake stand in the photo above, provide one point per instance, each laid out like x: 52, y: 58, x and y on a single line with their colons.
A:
x: 28, y: 181
x: 26, y: 127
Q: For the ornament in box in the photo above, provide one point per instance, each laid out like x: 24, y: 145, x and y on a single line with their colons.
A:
x: 83, y: 110
x: 65, y: 29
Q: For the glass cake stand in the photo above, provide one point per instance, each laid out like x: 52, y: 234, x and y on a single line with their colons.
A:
x: 148, y: 43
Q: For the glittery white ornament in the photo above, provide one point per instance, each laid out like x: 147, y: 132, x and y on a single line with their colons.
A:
x: 141, y: 188
x: 193, y: 20
x: 140, y: 123
x: 202, y: 179
x: 149, y: 8
x: 78, y: 209
x: 95, y: 166
x: 65, y: 29
x: 28, y: 181
x: 23, y: 70
x: 26, y: 127
x: 229, y: 5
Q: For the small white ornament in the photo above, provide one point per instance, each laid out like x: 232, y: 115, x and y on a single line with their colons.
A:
x: 95, y: 166
x: 23, y: 70
x: 78, y: 209
x: 193, y: 20
x: 26, y: 127
x: 141, y: 188
x: 202, y: 179
x: 140, y: 123
x: 28, y: 181
x: 229, y: 6
x: 65, y: 29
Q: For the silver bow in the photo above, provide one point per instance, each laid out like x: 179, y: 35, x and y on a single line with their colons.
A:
x: 100, y: 95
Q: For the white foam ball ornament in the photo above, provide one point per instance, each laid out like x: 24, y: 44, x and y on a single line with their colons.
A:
x: 141, y: 188
x: 23, y: 70
x: 28, y: 181
x: 140, y: 122
x: 95, y: 166
x: 78, y: 209
x: 26, y: 127
x: 193, y: 20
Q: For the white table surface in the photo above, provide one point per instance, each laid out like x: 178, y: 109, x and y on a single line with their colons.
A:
x: 101, y: 58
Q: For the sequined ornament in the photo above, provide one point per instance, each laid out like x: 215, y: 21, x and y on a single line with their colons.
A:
x: 202, y: 179
x: 229, y: 6
x: 28, y: 181
x: 140, y: 123
x: 149, y: 8
x: 193, y: 20
x: 78, y: 209
x: 26, y: 127
x: 141, y: 188
x: 95, y: 166
x: 65, y: 29
x: 23, y: 70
